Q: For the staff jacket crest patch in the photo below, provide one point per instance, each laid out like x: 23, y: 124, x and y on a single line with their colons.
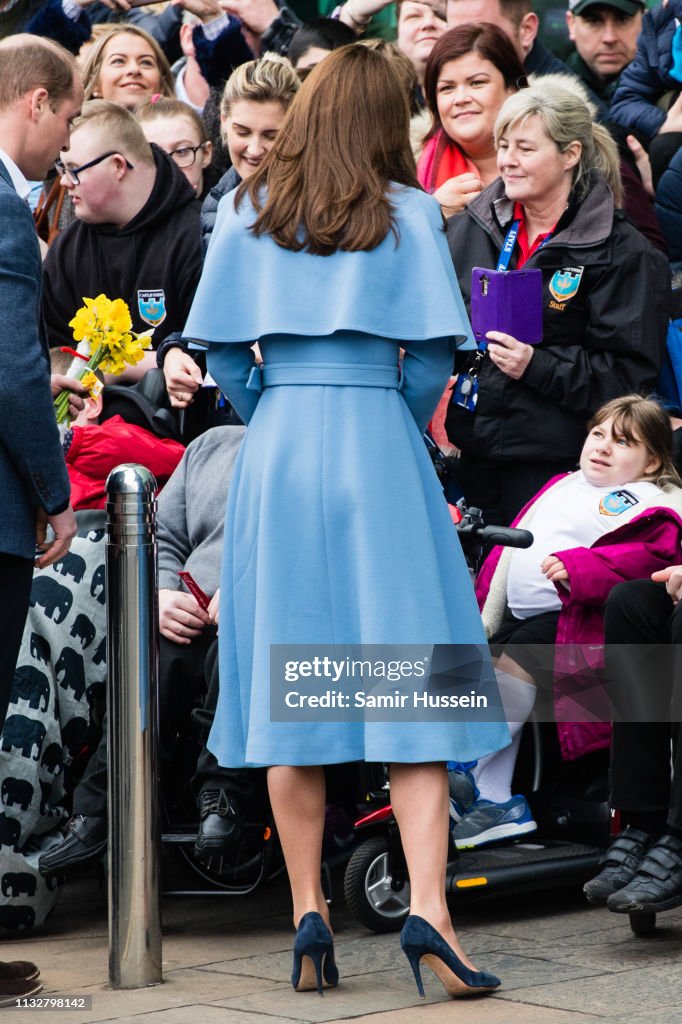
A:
x: 565, y: 283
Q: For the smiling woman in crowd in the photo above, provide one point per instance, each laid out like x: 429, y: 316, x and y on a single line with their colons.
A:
x: 471, y: 72
x: 127, y: 66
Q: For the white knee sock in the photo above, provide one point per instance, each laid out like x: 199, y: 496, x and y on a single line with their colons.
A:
x: 494, y: 772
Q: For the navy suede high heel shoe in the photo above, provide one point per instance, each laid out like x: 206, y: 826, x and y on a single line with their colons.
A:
x: 314, y: 964
x: 421, y: 942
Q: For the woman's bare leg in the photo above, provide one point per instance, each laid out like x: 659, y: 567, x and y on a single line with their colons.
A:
x: 419, y: 795
x: 297, y: 796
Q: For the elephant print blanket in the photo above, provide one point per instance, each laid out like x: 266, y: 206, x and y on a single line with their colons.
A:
x: 59, y: 680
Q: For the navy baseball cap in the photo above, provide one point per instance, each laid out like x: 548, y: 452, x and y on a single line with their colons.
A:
x: 626, y: 6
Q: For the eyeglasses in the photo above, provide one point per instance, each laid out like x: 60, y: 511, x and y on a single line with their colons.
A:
x: 186, y: 155
x: 72, y: 173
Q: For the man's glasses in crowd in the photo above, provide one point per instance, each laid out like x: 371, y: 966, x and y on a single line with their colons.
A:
x: 73, y: 173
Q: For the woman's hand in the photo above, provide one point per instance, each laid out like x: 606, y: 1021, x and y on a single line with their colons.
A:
x: 183, y: 377
x: 555, y: 571
x: 508, y: 354
x: 181, y: 617
x: 457, y: 192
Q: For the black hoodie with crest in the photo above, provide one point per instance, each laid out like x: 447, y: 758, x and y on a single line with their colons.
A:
x: 153, y: 262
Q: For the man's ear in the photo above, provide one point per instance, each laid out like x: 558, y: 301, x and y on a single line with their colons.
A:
x: 38, y: 102
x: 528, y: 30
x: 570, y: 21
x: 121, y: 165
x: 186, y: 41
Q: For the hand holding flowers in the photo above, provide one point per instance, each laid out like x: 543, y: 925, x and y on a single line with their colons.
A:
x: 106, y: 342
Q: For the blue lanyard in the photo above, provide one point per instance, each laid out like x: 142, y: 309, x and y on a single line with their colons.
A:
x: 510, y: 242
x: 508, y: 247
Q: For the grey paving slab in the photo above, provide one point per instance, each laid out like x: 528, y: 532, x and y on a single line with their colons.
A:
x: 623, y: 996
x: 364, y: 954
x: 491, y: 1010
x: 374, y: 990
x: 622, y: 950
x: 195, y: 1013
x: 383, y: 991
x: 203, y: 1014
x: 540, y: 917
x: 663, y: 1015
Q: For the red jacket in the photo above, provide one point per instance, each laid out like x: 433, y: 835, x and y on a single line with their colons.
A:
x: 96, y: 450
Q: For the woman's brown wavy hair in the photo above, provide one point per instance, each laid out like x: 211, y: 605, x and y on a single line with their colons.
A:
x: 323, y: 185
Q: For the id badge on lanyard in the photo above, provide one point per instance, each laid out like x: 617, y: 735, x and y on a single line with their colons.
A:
x: 465, y: 392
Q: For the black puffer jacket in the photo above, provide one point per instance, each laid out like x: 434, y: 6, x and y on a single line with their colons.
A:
x: 209, y: 207
x: 604, y: 341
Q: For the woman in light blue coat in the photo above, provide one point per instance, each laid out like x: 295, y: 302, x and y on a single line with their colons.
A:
x: 337, y: 532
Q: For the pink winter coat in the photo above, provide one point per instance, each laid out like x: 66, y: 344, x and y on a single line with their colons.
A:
x: 650, y: 541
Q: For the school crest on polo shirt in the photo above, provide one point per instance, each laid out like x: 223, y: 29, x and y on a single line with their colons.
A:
x: 617, y: 502
x: 151, y: 306
x: 565, y: 283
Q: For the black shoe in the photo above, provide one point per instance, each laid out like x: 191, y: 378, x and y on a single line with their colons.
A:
x: 85, y: 841
x: 18, y: 970
x: 221, y: 826
x: 618, y: 865
x: 21, y: 988
x: 657, y: 885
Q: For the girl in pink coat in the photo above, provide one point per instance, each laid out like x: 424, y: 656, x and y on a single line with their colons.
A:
x: 617, y: 518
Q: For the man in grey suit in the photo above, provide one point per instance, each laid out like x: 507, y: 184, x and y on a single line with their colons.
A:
x: 40, y: 94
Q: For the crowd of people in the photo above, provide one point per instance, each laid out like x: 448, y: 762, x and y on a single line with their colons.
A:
x: 308, y: 218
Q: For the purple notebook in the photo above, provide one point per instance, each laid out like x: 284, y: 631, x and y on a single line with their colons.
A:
x: 508, y: 301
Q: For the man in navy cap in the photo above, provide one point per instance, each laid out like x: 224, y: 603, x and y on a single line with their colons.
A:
x: 604, y: 33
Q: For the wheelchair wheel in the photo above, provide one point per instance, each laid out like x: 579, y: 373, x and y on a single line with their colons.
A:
x: 368, y: 888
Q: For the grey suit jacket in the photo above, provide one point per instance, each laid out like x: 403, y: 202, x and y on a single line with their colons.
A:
x: 32, y: 468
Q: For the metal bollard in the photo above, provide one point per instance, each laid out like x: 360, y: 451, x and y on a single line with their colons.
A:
x: 133, y: 716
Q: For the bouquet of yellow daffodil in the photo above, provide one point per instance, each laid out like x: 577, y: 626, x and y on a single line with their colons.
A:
x: 106, y: 341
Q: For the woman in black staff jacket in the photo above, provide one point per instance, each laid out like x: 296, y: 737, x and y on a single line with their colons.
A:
x: 606, y: 295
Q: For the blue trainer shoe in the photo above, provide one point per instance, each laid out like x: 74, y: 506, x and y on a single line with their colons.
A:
x: 489, y: 822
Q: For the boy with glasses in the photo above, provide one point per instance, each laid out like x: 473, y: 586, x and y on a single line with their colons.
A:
x: 136, y: 233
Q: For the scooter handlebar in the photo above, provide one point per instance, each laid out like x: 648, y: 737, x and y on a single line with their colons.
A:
x: 507, y: 536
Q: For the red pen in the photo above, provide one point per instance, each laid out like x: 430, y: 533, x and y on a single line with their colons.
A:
x: 202, y: 599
